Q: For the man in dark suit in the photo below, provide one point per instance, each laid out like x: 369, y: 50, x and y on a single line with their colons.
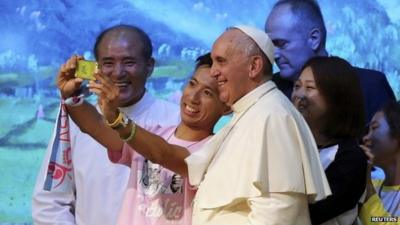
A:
x: 298, y: 32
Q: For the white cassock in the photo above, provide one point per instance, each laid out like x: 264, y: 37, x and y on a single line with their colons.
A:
x: 261, y: 168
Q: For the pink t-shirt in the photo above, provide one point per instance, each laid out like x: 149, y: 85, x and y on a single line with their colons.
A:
x: 155, y: 195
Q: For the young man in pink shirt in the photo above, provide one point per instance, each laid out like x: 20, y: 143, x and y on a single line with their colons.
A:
x: 156, y: 195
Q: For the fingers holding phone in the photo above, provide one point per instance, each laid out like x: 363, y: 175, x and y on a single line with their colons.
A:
x: 107, y: 92
x: 67, y: 83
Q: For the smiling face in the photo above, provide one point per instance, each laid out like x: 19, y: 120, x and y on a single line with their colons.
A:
x: 292, y: 46
x: 120, y: 57
x: 308, y: 100
x: 384, y: 147
x: 200, y: 104
x: 230, y: 67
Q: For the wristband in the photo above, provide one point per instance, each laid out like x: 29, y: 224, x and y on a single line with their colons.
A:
x: 74, y: 100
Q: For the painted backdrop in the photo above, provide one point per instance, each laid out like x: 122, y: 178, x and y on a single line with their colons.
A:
x: 37, y: 36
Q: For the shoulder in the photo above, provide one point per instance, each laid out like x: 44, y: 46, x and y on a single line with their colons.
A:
x: 286, y: 86
x: 276, y: 113
x: 351, y: 146
x: 364, y: 73
x: 165, y: 105
x: 349, y: 164
x: 277, y: 78
x: 350, y: 151
x: 374, y: 84
x: 275, y: 104
x: 154, y: 111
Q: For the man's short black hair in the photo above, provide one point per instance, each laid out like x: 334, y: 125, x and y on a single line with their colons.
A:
x: 143, y: 39
x: 204, y: 60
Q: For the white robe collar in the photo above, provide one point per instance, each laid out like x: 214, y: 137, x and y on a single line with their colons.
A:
x: 250, y: 98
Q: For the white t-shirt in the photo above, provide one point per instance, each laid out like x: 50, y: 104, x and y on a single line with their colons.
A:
x: 98, y: 184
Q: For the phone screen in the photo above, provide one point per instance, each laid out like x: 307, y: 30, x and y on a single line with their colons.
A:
x: 86, y: 69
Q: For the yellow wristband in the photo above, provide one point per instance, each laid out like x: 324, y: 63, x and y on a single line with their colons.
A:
x: 132, y: 134
x: 116, y: 121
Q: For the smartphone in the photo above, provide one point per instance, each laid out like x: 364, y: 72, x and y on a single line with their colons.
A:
x: 86, y: 69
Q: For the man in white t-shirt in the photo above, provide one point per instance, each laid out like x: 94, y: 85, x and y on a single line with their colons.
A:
x: 95, y: 192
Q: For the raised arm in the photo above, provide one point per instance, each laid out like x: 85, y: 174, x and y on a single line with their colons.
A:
x: 151, y: 146
x: 87, y: 118
x: 52, y: 207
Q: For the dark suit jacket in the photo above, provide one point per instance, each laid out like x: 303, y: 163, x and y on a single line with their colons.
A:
x: 347, y: 180
x: 375, y: 87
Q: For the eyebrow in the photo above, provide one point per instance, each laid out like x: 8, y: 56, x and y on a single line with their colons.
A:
x: 208, y: 87
x: 219, y: 58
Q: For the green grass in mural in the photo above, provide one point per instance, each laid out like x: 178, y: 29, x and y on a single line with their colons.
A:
x: 37, y: 135
x: 19, y: 79
x: 23, y: 140
x: 15, y: 112
x: 173, y: 68
x: 18, y: 172
x: 26, y: 79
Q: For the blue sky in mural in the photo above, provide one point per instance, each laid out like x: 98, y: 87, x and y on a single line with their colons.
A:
x: 37, y: 36
x: 364, y: 32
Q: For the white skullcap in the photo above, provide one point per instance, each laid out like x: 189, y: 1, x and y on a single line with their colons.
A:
x: 261, y: 39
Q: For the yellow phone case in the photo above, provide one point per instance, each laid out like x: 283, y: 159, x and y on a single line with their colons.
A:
x: 86, y: 69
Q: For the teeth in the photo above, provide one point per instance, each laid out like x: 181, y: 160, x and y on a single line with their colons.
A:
x: 190, y: 109
x: 121, y: 84
x: 221, y: 82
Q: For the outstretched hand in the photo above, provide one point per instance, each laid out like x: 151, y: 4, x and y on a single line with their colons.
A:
x: 67, y: 83
x: 107, y: 93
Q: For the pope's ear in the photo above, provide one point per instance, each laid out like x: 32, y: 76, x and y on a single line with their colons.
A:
x: 255, y: 67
